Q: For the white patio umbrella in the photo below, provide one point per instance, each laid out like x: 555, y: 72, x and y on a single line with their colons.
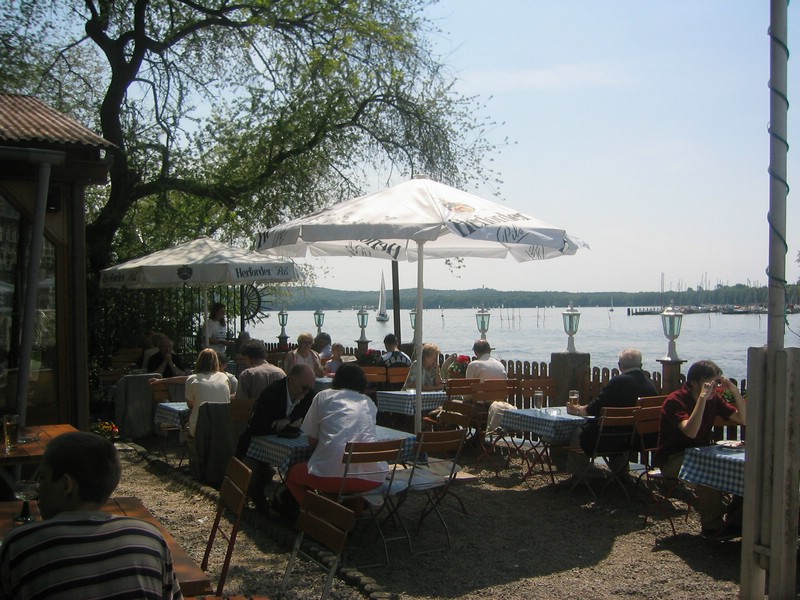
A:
x: 414, y: 220
x: 202, y: 262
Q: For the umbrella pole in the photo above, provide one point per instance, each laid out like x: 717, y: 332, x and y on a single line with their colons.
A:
x: 205, y: 315
x: 418, y: 341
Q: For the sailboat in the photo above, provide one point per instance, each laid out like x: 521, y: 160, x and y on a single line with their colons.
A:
x: 382, y: 314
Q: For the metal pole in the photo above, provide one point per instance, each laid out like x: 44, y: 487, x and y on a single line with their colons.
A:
x: 396, y: 301
x: 418, y: 341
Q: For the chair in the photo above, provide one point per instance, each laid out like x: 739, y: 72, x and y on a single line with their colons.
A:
x: 660, y: 488
x: 527, y: 387
x: 356, y: 456
x: 241, y: 409
x: 396, y: 377
x: 433, y: 478
x: 459, y: 387
x: 213, y: 444
x: 648, y: 401
x: 376, y: 379
x: 161, y: 393
x: 327, y: 522
x: 233, y: 497
x: 614, y: 439
x: 482, y: 395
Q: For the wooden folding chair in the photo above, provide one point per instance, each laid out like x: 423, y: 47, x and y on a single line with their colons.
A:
x: 161, y: 393
x: 614, y: 439
x: 482, y: 395
x: 455, y: 389
x: 370, y: 504
x: 661, y: 490
x: 233, y: 497
x: 649, y: 401
x: 396, y: 377
x: 327, y: 522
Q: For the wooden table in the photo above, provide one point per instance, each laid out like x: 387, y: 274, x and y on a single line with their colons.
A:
x: 30, y: 452
x: 192, y: 579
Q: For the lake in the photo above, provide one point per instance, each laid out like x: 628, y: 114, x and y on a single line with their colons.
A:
x: 532, y: 334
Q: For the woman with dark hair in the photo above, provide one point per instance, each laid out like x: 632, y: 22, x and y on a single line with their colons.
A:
x: 216, y: 329
x: 339, y: 415
x: 206, y: 384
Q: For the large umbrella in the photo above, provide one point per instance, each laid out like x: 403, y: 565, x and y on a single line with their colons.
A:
x: 202, y: 262
x: 419, y: 219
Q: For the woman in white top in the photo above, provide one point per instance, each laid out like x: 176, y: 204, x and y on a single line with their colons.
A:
x: 216, y: 329
x: 206, y: 384
x: 303, y: 355
x: 337, y: 416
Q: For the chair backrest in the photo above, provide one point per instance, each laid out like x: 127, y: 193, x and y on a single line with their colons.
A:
x: 233, y: 497
x: 370, y: 452
x: 396, y: 376
x: 241, y: 408
x: 648, y: 401
x: 459, y: 386
x: 328, y: 522
x: 488, y: 391
x: 160, y: 391
x: 456, y: 414
x: 445, y: 443
x: 528, y: 386
x: 646, y: 422
x: 616, y: 429
x: 375, y: 374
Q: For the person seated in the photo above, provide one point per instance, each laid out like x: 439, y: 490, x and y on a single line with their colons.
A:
x: 153, y: 343
x: 337, y: 350
x: 485, y: 366
x: 72, y: 551
x: 233, y: 383
x: 431, y: 378
x: 283, y: 404
x: 394, y: 357
x: 322, y: 346
x: 339, y: 415
x: 303, y: 355
x: 165, y: 361
x: 687, y: 420
x: 258, y: 374
x: 206, y: 384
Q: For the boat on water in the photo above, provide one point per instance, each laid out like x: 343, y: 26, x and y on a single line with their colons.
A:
x: 382, y: 314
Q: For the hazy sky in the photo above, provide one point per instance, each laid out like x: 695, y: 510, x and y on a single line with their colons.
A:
x: 640, y: 127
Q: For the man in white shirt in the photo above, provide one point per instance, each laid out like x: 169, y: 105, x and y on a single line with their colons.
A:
x: 484, y: 366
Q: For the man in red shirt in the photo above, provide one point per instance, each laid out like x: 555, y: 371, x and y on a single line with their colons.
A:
x: 687, y: 419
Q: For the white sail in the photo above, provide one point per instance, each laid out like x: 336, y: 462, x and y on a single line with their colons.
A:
x: 382, y: 315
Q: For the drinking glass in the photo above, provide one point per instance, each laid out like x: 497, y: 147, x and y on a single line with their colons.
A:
x: 10, y: 431
x: 25, y: 490
x: 574, y: 397
x: 538, y: 399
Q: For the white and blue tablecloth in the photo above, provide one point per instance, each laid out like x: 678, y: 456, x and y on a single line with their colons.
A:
x: 719, y: 467
x: 285, y: 452
x: 403, y: 401
x: 172, y: 414
x: 322, y: 383
x: 553, y: 429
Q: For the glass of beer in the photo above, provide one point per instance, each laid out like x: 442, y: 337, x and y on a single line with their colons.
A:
x: 538, y: 399
x: 574, y: 397
x: 10, y: 431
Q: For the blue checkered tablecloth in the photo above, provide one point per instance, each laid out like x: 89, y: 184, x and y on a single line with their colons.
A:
x: 285, y: 452
x: 719, y: 467
x: 323, y: 383
x: 172, y: 414
x: 554, y: 429
x: 402, y: 401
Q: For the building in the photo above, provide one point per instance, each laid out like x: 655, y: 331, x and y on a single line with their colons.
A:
x: 46, y: 162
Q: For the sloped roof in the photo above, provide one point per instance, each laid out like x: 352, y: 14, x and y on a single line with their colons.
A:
x: 28, y: 119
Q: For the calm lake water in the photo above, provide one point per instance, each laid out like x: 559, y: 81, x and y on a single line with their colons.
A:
x: 533, y: 334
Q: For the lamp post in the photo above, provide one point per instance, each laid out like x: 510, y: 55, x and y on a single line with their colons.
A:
x: 572, y: 317
x: 283, y: 318
x: 319, y: 319
x: 412, y: 315
x: 671, y: 320
x: 482, y: 320
x: 362, y: 342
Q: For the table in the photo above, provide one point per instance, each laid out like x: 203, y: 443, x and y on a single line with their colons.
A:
x: 30, y: 452
x: 286, y: 452
x: 403, y: 401
x: 192, y: 579
x: 172, y: 414
x: 553, y: 427
x: 323, y: 383
x: 720, y: 467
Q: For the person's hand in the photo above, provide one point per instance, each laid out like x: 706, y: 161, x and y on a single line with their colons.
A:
x: 153, y: 380
x: 297, y: 422
x: 707, y: 390
x: 572, y: 409
x: 280, y: 425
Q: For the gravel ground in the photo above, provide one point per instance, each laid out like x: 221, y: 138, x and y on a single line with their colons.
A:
x: 519, y: 540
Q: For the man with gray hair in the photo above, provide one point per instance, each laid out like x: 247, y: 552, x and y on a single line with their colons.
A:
x: 622, y: 390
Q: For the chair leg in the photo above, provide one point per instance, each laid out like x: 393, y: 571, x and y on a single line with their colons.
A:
x: 297, y: 542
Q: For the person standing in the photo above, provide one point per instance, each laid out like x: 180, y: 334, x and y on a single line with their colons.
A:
x: 687, y: 420
x: 73, y: 551
x: 259, y: 372
x: 283, y: 403
x: 216, y: 329
x: 485, y: 366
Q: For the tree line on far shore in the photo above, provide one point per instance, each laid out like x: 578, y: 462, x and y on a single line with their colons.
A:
x: 312, y: 298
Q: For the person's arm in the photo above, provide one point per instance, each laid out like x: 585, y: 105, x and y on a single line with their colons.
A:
x: 577, y: 409
x: 312, y: 441
x: 691, y: 426
x: 740, y: 416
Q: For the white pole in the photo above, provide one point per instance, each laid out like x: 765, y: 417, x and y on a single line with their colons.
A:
x: 418, y: 340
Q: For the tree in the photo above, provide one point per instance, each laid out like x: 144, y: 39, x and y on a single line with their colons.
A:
x: 227, y: 117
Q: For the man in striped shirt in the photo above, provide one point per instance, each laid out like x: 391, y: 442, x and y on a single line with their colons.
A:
x: 78, y: 551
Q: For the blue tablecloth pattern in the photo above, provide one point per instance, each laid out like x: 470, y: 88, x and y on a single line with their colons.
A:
x: 285, y: 452
x: 322, y: 383
x: 172, y: 414
x: 402, y: 401
x: 555, y: 429
x: 719, y: 467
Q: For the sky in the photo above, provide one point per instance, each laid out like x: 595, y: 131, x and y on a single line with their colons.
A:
x: 639, y: 127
